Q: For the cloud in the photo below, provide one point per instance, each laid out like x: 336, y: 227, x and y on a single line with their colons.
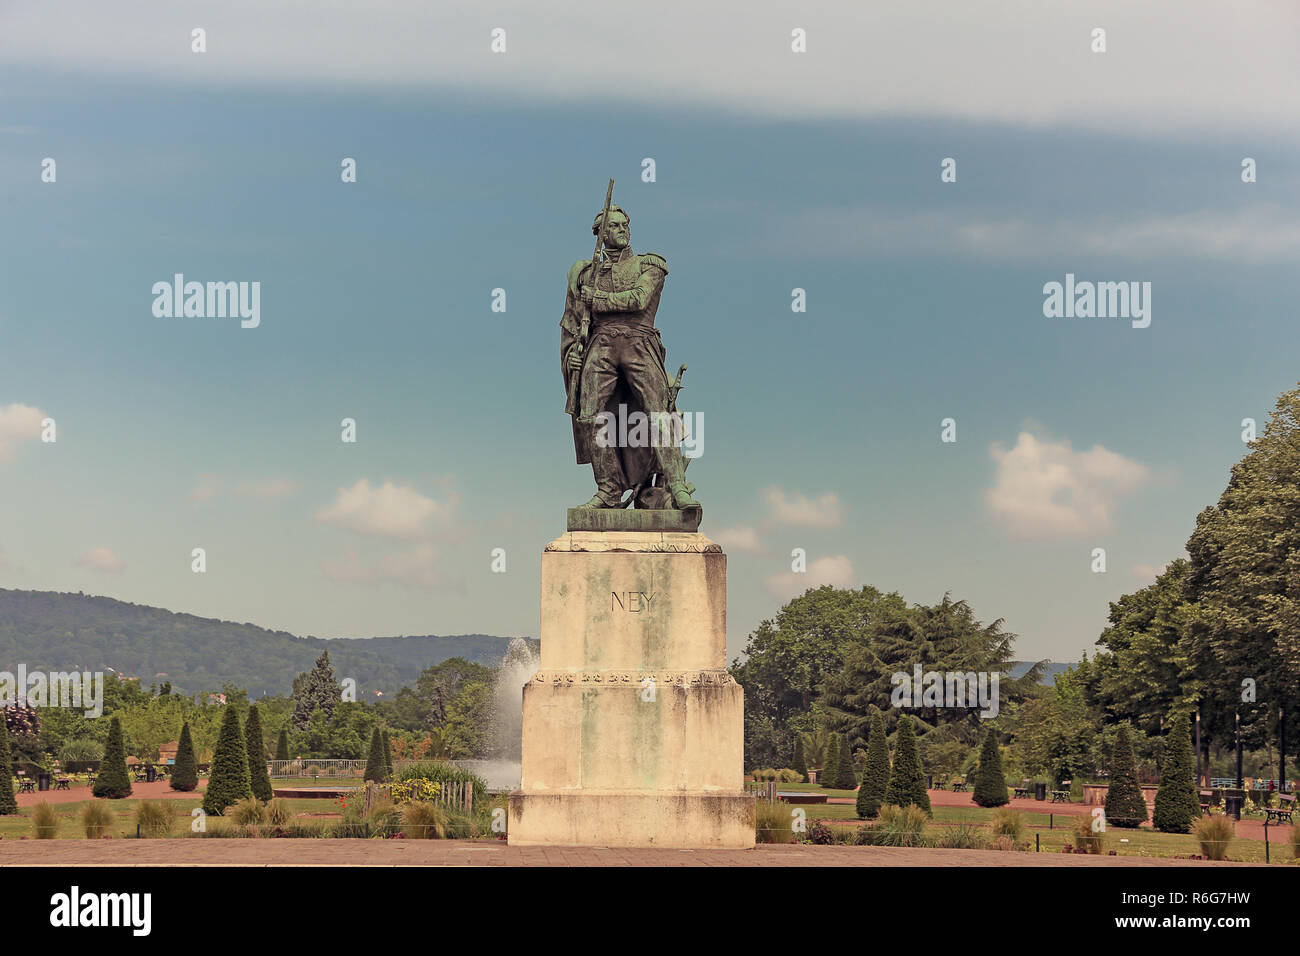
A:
x: 1196, y: 66
x: 265, y: 488
x: 797, y: 509
x: 415, y: 569
x: 837, y: 571
x: 388, y: 510
x: 101, y: 559
x: 18, y: 423
x: 1260, y: 233
x: 1045, y: 489
x: 209, y: 487
x: 739, y: 538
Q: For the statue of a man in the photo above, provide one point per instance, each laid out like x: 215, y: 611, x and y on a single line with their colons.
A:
x: 621, y: 364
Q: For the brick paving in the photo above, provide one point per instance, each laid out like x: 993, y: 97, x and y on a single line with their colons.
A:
x: 310, y: 852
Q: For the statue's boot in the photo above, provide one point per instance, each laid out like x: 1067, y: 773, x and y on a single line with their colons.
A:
x: 598, y: 502
x: 674, y: 471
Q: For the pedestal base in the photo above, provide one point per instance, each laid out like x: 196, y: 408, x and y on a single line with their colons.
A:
x: 631, y: 818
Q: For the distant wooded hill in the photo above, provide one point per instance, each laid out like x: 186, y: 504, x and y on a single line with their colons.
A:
x: 50, y: 630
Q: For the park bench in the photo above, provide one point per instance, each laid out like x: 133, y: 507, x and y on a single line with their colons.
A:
x: 1282, y: 812
x: 1062, y: 796
x: 959, y: 785
x: 1207, y: 797
x: 1024, y: 790
x: 63, y: 783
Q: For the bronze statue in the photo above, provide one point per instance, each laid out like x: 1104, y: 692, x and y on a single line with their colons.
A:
x: 613, y: 364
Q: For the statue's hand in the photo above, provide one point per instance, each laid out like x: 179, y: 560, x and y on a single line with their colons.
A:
x: 575, y: 360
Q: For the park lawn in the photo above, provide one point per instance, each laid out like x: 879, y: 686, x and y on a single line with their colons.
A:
x: 294, y: 782
x: 19, y: 825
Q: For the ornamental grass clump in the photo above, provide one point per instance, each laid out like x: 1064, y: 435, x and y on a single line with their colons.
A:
x: 1087, y: 839
x: 900, y: 826
x: 45, y: 822
x: 247, y: 812
x: 96, y: 818
x: 153, y: 819
x: 773, y: 823
x: 1008, y: 823
x: 1214, y: 833
x: 424, y: 821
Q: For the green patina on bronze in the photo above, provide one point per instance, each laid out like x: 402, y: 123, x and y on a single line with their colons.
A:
x: 611, y: 355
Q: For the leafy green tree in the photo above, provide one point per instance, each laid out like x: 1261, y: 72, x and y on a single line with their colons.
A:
x: 800, y: 763
x: 185, y: 772
x: 848, y: 780
x: 8, y: 803
x: 112, y: 780
x: 906, y: 782
x: 829, y: 776
x: 259, y: 778
x: 230, y: 781
x: 375, y: 769
x: 1055, y: 734
x: 282, y: 746
x: 875, y: 776
x: 990, y: 784
x: 315, y: 690
x: 1124, y: 804
x: 1177, y: 802
x: 469, y: 721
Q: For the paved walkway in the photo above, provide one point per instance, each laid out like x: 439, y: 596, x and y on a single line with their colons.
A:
x: 308, y: 852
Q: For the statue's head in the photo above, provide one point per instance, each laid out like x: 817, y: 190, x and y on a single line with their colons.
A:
x: 618, y: 230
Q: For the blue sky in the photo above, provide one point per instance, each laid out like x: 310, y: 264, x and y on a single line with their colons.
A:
x: 821, y: 428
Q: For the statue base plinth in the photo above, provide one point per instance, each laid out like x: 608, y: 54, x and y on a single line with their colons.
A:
x: 632, y: 818
x: 633, y: 519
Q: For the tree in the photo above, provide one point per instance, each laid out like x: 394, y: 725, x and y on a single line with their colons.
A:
x: 375, y: 769
x: 848, y: 780
x: 800, y: 763
x: 259, y: 779
x: 112, y: 780
x: 906, y: 783
x: 185, y: 773
x: 1124, y: 804
x: 282, y: 746
x: 875, y: 775
x: 230, y: 781
x: 1177, y: 803
x: 8, y: 803
x: 990, y: 784
x: 829, y: 775
x: 469, y: 719
x: 315, y: 690
x: 388, y: 755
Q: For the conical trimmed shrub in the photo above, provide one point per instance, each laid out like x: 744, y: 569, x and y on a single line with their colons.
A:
x: 906, y: 783
x: 229, y: 782
x: 185, y: 773
x: 1124, y: 804
x: 1177, y: 802
x: 829, y: 776
x: 800, y: 762
x: 112, y: 781
x: 375, y: 759
x: 990, y: 784
x: 8, y: 803
x: 388, y: 756
x: 258, y: 776
x: 848, y: 779
x: 875, y: 775
x: 282, y: 746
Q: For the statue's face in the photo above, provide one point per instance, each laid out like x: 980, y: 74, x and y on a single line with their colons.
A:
x: 617, y: 231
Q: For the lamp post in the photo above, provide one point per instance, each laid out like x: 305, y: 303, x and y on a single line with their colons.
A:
x: 1200, y: 781
x: 1241, y: 781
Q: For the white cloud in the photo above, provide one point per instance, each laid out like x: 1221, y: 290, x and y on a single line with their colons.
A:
x: 18, y: 423
x: 739, y: 538
x: 416, y: 569
x: 388, y: 510
x: 1045, y: 489
x: 798, y: 509
x: 101, y: 559
x: 1181, y: 65
x: 837, y: 571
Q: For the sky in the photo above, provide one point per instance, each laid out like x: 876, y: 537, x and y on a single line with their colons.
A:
x: 773, y: 171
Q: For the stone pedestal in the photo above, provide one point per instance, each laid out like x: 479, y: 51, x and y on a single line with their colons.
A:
x: 633, y: 729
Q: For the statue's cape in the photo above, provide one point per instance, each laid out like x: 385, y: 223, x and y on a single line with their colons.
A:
x: 637, y: 463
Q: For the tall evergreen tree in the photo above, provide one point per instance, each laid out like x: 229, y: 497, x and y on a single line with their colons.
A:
x: 388, y: 756
x: 8, y: 803
x: 112, y: 781
x: 990, y: 784
x: 800, y: 763
x: 848, y: 779
x: 185, y: 772
x: 875, y: 775
x: 829, y: 776
x: 1124, y: 804
x: 230, y: 781
x: 1177, y: 803
x: 282, y: 746
x: 906, y: 782
x: 315, y: 690
x: 258, y: 776
x: 375, y: 760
